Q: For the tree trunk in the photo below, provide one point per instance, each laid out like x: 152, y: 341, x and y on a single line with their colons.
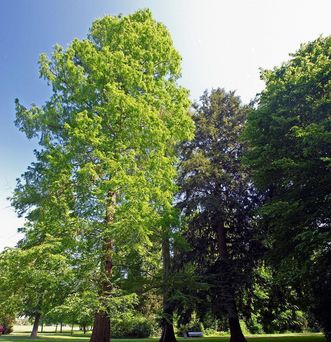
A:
x: 168, y: 334
x: 84, y: 328
x: 235, y: 330
x: 34, y: 331
x: 61, y: 327
x: 56, y: 328
x: 101, y: 325
x: 236, y: 334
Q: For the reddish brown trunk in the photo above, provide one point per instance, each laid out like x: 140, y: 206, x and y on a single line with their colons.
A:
x: 34, y: 331
x: 101, y: 326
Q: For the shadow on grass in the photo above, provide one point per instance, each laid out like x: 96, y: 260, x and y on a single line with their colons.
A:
x: 45, y: 337
x: 64, y: 337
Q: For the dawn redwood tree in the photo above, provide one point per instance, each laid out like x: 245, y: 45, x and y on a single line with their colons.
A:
x: 110, y: 127
x: 217, y: 197
x: 289, y: 156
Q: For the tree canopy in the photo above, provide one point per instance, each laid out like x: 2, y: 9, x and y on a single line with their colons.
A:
x: 143, y: 212
x: 108, y: 136
x: 218, y: 199
x: 289, y: 156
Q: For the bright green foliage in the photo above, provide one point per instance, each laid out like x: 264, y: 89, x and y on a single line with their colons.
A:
x: 77, y: 308
x: 111, y: 124
x: 34, y: 280
x: 290, y: 140
x: 108, y: 136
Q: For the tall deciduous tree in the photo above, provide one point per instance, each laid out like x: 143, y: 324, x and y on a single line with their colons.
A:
x: 289, y: 155
x: 110, y: 127
x: 218, y: 198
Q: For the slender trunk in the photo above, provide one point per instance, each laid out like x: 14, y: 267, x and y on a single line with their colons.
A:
x: 56, y: 328
x: 236, y: 334
x: 42, y: 327
x: 34, y: 331
x: 72, y: 329
x: 61, y: 327
x: 84, y: 329
x: 168, y: 334
x: 101, y: 326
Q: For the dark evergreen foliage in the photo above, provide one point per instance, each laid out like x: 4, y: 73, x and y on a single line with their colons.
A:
x: 219, y: 199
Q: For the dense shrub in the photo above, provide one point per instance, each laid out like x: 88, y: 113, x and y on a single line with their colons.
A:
x: 135, y: 327
x: 253, y: 325
x: 7, y: 322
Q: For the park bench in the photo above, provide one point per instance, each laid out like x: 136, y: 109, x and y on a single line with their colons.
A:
x: 193, y: 334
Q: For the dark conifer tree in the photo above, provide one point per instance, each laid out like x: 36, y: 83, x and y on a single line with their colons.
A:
x: 218, y: 198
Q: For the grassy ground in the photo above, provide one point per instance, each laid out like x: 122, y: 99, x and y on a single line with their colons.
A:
x: 24, y: 337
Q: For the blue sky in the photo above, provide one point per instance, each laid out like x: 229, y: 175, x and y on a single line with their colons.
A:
x: 222, y: 42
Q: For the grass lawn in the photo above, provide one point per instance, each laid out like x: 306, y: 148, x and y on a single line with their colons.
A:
x: 23, y: 337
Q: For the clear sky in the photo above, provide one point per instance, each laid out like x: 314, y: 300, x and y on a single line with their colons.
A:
x: 223, y: 44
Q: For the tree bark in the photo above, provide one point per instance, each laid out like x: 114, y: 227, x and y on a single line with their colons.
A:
x: 101, y: 327
x: 236, y: 334
x: 235, y: 330
x: 168, y: 334
x: 34, y: 331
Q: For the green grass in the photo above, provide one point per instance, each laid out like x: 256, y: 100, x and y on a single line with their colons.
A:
x: 50, y: 337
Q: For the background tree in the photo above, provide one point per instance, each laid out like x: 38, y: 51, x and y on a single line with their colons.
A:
x: 110, y: 126
x: 218, y: 198
x: 77, y: 308
x: 34, y: 280
x: 272, y: 307
x: 289, y: 155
